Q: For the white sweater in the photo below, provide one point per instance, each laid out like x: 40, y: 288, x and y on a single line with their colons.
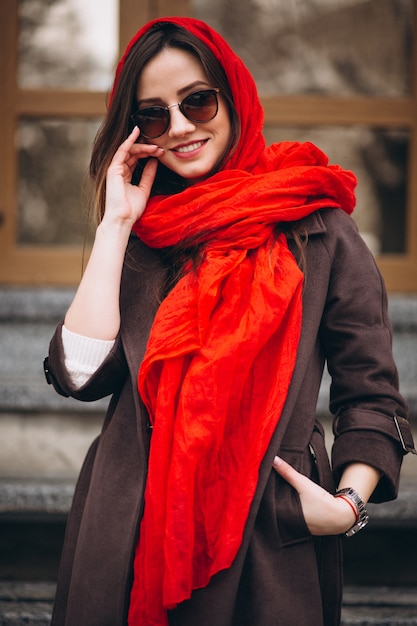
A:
x: 83, y: 355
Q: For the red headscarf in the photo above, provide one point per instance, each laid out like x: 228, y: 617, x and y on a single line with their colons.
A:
x: 223, y: 345
x: 242, y: 85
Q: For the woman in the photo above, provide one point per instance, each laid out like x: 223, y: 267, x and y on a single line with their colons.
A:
x: 194, y: 315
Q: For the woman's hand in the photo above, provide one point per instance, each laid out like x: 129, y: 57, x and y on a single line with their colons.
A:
x: 125, y: 203
x: 324, y: 514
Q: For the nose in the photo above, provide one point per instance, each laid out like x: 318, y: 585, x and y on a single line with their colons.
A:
x: 179, y: 125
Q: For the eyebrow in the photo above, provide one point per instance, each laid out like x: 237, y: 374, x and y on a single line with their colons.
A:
x: 180, y: 92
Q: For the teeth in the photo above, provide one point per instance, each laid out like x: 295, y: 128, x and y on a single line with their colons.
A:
x: 190, y: 147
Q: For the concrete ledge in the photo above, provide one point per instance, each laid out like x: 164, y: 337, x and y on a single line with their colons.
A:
x: 20, y: 498
x: 35, y: 499
x: 28, y: 318
x: 401, y: 512
x: 25, y: 613
x: 34, y: 305
x: 379, y: 606
x: 26, y: 603
x: 50, y: 304
x: 46, y: 446
x: 23, y: 603
x: 403, y: 312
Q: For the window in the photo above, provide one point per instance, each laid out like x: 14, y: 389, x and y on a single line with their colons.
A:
x: 343, y: 74
x: 340, y: 73
x: 60, y: 56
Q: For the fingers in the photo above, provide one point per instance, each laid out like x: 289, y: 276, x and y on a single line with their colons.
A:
x: 124, y: 152
x: 129, y: 152
x: 294, y: 478
x: 134, y: 135
x: 148, y: 175
x: 139, y: 148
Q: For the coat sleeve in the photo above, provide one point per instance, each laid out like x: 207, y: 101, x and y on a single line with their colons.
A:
x: 370, y: 423
x: 105, y: 381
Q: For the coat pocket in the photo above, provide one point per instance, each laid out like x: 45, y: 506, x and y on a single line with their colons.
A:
x: 312, y: 462
x: 322, y: 471
x: 292, y: 527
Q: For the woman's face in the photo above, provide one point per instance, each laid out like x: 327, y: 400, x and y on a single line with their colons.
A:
x: 192, y: 150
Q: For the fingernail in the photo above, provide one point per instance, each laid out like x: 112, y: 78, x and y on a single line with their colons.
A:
x: 277, y: 461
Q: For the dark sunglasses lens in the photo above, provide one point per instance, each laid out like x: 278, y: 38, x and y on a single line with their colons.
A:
x: 153, y: 122
x: 200, y: 106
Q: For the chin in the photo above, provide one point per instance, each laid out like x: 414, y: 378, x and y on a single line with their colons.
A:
x: 198, y: 175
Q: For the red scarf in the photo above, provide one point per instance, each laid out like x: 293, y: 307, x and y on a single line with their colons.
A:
x: 222, y: 348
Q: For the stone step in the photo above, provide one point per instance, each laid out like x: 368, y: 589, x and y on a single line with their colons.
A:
x: 34, y: 499
x: 28, y: 318
x: 379, y: 606
x: 52, y: 498
x: 33, y: 516
x: 26, y: 603
x: 23, y: 603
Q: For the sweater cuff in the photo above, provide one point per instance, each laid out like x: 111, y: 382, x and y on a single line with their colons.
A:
x: 83, y: 355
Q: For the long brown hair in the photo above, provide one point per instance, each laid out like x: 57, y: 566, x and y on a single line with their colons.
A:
x: 117, y: 124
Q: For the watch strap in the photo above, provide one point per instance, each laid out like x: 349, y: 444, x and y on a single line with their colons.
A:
x: 362, y: 514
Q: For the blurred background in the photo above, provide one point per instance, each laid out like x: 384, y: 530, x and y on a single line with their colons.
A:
x: 340, y: 73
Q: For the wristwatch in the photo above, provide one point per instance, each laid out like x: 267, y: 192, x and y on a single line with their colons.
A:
x: 362, y: 517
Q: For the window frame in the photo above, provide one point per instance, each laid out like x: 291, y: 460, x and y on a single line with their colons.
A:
x: 61, y: 265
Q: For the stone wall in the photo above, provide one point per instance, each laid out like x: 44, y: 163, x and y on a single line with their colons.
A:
x: 45, y: 436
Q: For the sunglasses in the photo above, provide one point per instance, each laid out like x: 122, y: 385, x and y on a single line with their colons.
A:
x: 199, y: 107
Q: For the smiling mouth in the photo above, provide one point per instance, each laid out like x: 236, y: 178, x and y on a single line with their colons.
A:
x: 190, y: 147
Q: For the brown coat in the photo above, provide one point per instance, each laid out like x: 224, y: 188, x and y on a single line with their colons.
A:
x: 281, y: 575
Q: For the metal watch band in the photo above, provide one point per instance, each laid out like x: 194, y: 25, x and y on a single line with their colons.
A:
x: 363, y: 517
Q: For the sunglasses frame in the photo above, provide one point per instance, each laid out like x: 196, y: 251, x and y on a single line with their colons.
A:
x: 213, y: 90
